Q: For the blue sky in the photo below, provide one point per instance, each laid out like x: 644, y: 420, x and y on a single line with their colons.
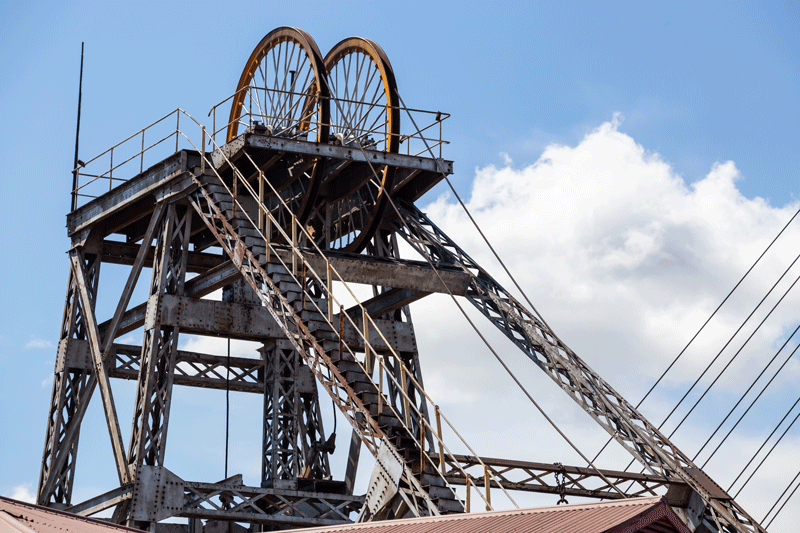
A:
x: 691, y: 84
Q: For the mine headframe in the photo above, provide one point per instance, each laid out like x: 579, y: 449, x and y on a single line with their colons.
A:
x: 307, y: 189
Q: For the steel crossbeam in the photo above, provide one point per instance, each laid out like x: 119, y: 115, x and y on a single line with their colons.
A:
x: 72, y: 391
x: 619, y: 418
x: 578, y: 481
x: 266, y: 505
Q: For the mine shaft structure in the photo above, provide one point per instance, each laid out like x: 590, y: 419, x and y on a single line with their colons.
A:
x: 305, y: 191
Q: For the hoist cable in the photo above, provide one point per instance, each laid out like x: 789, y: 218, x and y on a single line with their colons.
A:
x: 762, y: 446
x: 779, y: 499
x: 728, y: 364
x: 663, y: 374
x: 474, y: 223
x: 741, y: 399
x: 334, y: 416
x: 227, y: 406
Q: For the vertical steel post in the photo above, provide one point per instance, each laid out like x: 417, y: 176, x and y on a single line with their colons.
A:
x: 404, y: 394
x: 261, y: 213
x: 367, y: 358
x: 380, y: 386
x: 487, y: 487
x: 329, y: 272
x: 141, y: 155
x: 294, y: 246
x: 469, y: 491
x: 422, y: 443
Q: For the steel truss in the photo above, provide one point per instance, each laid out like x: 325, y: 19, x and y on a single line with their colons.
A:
x: 300, y: 345
x: 295, y: 447
x: 298, y: 331
x: 609, y: 409
x: 578, y: 481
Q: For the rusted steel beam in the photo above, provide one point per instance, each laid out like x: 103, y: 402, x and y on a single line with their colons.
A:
x: 342, y: 153
x: 102, y: 502
x: 121, y: 253
x: 387, y: 302
x: 192, y: 369
x: 268, y: 505
x: 353, y: 268
x: 387, y: 272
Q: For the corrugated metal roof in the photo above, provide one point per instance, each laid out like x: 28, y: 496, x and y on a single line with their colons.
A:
x: 17, y: 516
x: 622, y: 516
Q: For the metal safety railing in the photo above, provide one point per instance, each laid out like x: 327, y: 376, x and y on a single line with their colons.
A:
x: 96, y: 176
x: 134, y: 154
x: 404, y: 382
x: 374, y: 136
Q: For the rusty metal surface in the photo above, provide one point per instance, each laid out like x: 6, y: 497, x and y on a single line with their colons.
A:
x: 350, y: 153
x: 189, y: 205
x: 629, y: 516
x: 578, y: 481
x: 26, y: 517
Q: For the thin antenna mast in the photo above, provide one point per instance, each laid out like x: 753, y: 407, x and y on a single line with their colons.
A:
x: 77, y: 133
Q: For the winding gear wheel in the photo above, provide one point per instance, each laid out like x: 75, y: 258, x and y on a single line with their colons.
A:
x: 283, y: 92
x: 365, y: 115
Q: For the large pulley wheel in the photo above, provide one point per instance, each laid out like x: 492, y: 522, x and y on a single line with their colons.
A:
x: 283, y: 92
x: 365, y: 115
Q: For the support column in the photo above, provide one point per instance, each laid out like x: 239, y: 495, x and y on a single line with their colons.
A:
x: 154, y: 388
x: 294, y: 445
x: 281, y: 408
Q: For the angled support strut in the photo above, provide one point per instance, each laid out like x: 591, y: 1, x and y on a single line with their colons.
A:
x: 609, y: 409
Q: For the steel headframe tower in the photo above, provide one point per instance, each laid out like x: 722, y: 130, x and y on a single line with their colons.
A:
x: 312, y: 195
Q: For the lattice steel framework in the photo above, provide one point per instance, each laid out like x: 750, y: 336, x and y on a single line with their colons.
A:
x: 300, y: 203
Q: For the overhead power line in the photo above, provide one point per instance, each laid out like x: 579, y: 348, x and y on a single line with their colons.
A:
x: 779, y: 499
x: 663, y: 374
x: 708, y: 367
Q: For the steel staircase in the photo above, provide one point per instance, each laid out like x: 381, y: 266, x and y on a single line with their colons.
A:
x: 298, y: 314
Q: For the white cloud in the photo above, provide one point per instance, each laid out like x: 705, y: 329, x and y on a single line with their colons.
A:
x: 36, y: 343
x: 23, y: 493
x: 622, y: 257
